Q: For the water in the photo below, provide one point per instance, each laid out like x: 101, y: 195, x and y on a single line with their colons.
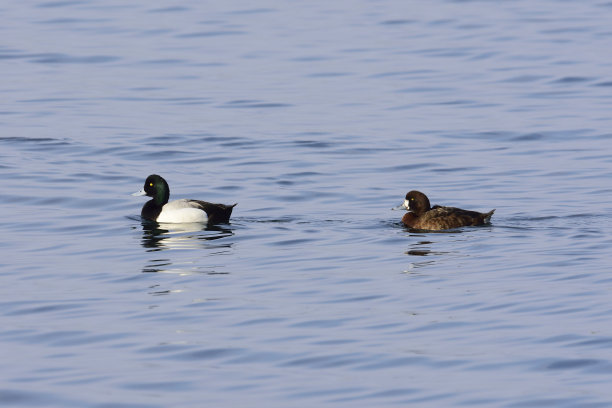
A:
x: 317, y: 118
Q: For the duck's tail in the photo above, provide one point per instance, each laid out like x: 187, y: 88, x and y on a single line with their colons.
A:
x: 487, y: 216
x: 228, y: 211
x: 217, y: 213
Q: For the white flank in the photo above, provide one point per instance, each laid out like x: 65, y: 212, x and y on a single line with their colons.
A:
x: 182, y: 211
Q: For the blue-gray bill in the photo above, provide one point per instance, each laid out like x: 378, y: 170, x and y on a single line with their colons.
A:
x: 402, y: 206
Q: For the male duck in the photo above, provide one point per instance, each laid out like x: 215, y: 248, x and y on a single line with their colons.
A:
x: 422, y: 216
x: 178, y: 211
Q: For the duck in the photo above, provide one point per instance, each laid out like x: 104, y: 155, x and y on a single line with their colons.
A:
x: 179, y: 211
x: 421, y: 215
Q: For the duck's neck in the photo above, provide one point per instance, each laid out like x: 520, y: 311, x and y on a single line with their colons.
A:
x: 409, y: 218
x: 162, y: 197
x: 161, y: 200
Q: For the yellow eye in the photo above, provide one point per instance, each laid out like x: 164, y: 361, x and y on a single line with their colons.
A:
x: 151, y: 184
x: 412, y: 199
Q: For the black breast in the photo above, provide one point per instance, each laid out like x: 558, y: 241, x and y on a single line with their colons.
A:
x: 150, y: 211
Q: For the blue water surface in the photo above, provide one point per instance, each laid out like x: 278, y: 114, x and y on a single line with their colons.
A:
x: 317, y: 118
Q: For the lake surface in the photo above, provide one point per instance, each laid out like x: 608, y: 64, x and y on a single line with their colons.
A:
x: 317, y: 118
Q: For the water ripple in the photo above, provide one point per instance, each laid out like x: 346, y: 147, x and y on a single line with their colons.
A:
x: 316, y: 118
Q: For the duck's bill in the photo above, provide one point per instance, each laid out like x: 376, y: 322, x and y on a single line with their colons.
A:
x: 402, y: 206
x: 139, y: 193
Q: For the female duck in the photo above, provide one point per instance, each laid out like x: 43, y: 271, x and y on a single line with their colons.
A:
x: 178, y: 211
x: 422, y: 216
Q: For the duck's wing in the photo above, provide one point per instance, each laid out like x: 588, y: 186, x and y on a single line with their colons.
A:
x: 451, y: 217
x: 180, y: 204
x: 217, y: 213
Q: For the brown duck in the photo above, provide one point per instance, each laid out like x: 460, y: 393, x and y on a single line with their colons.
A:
x: 421, y: 215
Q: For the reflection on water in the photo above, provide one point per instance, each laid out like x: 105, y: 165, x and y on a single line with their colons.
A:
x: 419, y: 252
x: 157, y: 237
x: 425, y: 248
x: 186, y: 267
x: 158, y: 292
x: 420, y: 248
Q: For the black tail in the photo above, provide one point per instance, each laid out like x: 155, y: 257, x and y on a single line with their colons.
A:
x: 217, y: 213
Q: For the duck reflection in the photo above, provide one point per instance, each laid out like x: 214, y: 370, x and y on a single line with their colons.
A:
x: 418, y: 250
x: 182, y: 267
x: 423, y: 249
x: 156, y: 291
x: 159, y: 236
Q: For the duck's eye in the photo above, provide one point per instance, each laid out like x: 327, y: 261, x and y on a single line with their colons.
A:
x: 411, y: 198
x: 151, y: 184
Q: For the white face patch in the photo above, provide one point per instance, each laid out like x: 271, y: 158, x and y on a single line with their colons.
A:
x: 407, y: 204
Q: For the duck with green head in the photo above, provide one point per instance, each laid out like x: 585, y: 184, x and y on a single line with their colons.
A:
x: 179, y: 211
